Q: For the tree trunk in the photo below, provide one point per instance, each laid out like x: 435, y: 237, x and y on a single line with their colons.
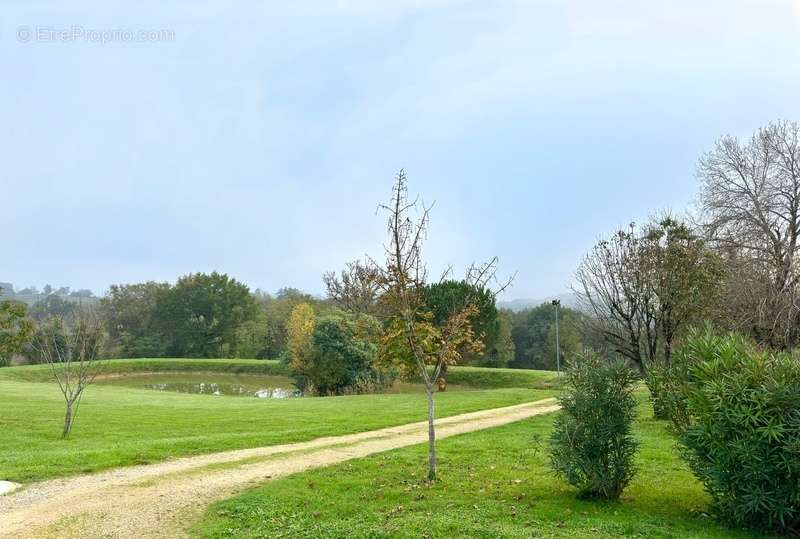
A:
x: 431, y: 436
x: 67, y: 420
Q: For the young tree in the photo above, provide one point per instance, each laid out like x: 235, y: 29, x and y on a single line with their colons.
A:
x: 15, y: 329
x: 71, y: 349
x: 414, y: 340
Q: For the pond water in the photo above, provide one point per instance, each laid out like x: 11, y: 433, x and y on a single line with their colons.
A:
x: 221, y: 384
x: 231, y: 385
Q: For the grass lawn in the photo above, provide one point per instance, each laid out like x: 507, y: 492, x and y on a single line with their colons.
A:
x: 41, y: 373
x: 119, y: 426
x: 493, y: 483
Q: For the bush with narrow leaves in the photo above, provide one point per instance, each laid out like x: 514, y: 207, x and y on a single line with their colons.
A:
x: 742, y: 435
x: 591, y: 445
x: 658, y: 379
x: 667, y: 383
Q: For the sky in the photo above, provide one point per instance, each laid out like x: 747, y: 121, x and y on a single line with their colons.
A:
x: 258, y: 140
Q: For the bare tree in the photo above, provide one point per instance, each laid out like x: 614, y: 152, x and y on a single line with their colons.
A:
x: 71, y: 349
x: 611, y: 283
x: 645, y: 285
x: 414, y: 341
x: 750, y: 204
x: 355, y: 289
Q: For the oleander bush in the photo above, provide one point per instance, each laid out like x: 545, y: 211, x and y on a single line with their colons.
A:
x: 591, y: 445
x: 741, y: 434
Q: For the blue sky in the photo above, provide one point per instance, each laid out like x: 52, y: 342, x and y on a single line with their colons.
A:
x: 259, y: 140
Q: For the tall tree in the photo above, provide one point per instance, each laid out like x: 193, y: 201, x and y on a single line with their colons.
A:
x: 202, y: 314
x: 444, y: 296
x: 299, y: 330
x: 645, y: 285
x: 750, y: 204
x: 414, y: 341
x: 52, y: 305
x: 15, y: 329
x: 500, y: 353
x: 130, y: 313
x: 354, y: 289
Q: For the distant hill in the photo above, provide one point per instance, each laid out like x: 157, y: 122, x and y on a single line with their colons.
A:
x: 32, y: 295
x: 567, y: 300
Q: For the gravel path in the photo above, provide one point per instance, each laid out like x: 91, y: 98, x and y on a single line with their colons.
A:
x: 162, y: 500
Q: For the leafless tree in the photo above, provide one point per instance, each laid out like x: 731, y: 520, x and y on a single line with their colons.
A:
x: 414, y: 341
x: 355, y: 289
x: 750, y: 206
x: 71, y: 348
x: 645, y: 285
x: 612, y: 284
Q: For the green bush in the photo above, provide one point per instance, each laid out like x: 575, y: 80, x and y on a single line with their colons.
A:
x: 658, y: 380
x: 742, y: 434
x: 591, y: 445
x: 342, y: 356
x: 667, y: 383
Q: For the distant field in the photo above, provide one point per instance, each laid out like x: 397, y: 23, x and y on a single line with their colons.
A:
x: 119, y: 426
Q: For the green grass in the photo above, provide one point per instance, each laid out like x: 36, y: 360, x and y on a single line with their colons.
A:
x: 497, y: 378
x: 119, y: 426
x: 41, y: 373
x: 481, y: 377
x: 493, y: 483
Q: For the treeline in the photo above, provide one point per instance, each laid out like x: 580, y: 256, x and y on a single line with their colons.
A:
x: 733, y: 263
x: 32, y: 294
x: 533, y: 332
x: 214, y: 315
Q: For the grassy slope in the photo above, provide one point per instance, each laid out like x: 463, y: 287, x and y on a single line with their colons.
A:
x: 120, y: 426
x: 493, y: 483
x: 470, y: 376
x: 41, y: 373
x: 496, y: 378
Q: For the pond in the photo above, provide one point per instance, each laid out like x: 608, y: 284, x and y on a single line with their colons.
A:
x: 221, y: 384
x: 261, y: 386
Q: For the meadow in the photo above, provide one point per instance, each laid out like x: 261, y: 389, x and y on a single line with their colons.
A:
x: 120, y: 426
x: 492, y: 483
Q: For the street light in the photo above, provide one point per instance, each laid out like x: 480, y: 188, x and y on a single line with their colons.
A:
x: 557, y: 304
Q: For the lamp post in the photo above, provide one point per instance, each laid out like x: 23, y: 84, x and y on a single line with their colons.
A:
x: 557, y: 304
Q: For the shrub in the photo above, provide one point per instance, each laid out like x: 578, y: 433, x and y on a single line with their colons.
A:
x: 591, y: 446
x: 667, y: 384
x: 742, y: 436
x: 658, y: 378
x: 342, y: 355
